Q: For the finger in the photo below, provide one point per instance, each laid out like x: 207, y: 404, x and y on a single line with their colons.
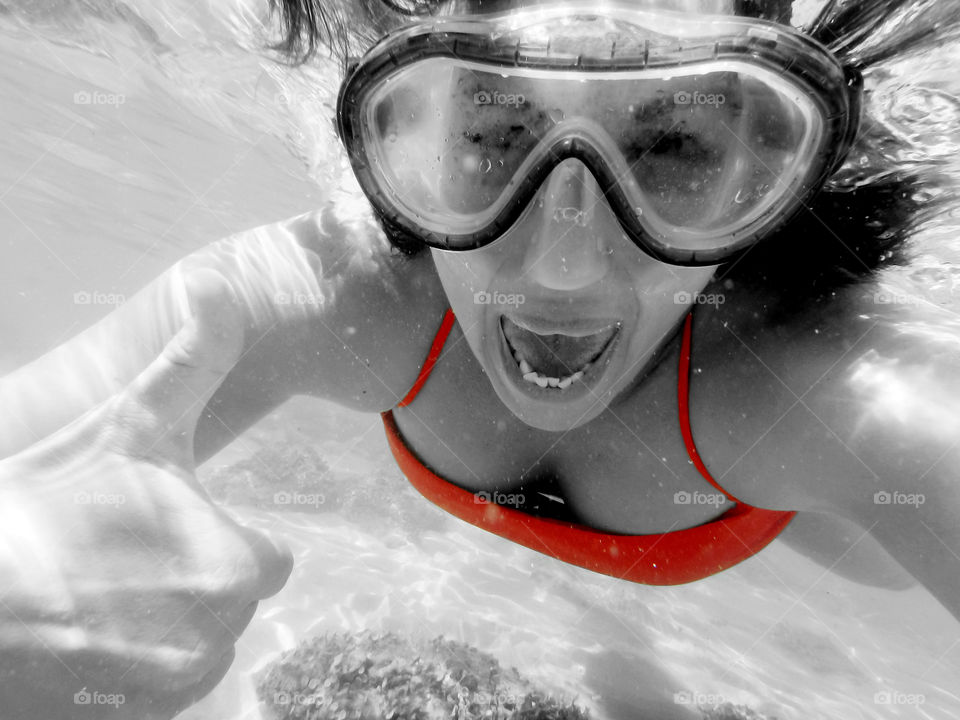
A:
x: 177, y: 385
x: 209, y: 681
x: 274, y: 560
x: 213, y: 678
x: 220, y: 627
x: 240, y: 623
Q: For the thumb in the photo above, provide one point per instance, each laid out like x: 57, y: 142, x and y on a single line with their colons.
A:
x: 176, y: 386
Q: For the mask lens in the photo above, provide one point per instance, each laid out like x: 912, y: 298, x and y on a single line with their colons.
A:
x: 451, y: 140
x: 713, y: 155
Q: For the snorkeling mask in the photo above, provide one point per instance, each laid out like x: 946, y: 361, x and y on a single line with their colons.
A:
x: 705, y: 133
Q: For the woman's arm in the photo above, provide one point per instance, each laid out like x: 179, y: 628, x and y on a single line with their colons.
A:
x: 53, y: 390
x: 854, y: 411
x: 329, y: 310
x: 905, y: 430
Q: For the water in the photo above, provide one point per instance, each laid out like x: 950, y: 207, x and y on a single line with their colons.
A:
x: 133, y: 134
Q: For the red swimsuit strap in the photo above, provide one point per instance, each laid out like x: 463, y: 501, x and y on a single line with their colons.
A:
x: 436, y: 348
x: 683, y: 397
x: 670, y: 558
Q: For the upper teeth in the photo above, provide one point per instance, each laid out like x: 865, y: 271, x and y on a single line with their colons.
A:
x: 532, y: 376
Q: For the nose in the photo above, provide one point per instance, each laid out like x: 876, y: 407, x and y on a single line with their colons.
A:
x: 569, y: 227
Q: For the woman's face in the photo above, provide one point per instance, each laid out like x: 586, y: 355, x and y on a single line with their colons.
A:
x: 566, y: 295
x: 564, y: 313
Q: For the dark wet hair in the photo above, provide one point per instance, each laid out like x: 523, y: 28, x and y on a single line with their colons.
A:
x: 866, y: 214
x: 862, y: 219
x: 346, y: 26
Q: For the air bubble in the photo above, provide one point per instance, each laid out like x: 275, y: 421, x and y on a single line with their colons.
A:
x: 556, y: 114
x: 485, y: 166
x: 740, y: 199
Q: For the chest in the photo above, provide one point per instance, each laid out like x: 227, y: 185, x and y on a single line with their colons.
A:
x: 627, y: 471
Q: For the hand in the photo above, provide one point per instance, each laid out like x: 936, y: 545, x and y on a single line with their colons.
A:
x: 123, y: 588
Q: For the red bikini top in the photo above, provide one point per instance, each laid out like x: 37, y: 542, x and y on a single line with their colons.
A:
x: 670, y: 558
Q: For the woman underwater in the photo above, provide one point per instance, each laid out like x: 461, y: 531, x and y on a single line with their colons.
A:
x: 576, y: 201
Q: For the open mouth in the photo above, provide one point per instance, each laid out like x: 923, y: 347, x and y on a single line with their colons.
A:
x: 555, y: 360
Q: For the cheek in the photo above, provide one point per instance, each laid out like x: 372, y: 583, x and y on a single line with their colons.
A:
x: 664, y: 299
x: 464, y: 273
x: 463, y: 276
x: 658, y: 285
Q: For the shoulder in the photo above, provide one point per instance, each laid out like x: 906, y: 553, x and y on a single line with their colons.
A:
x: 380, y: 309
x: 821, y: 411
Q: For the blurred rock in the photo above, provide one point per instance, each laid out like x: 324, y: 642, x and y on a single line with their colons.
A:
x: 728, y: 711
x: 295, y: 477
x: 387, y: 677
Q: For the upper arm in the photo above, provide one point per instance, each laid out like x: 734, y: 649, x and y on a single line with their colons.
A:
x: 904, y: 426
x: 858, y: 415
x: 821, y: 412
x: 376, y: 312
